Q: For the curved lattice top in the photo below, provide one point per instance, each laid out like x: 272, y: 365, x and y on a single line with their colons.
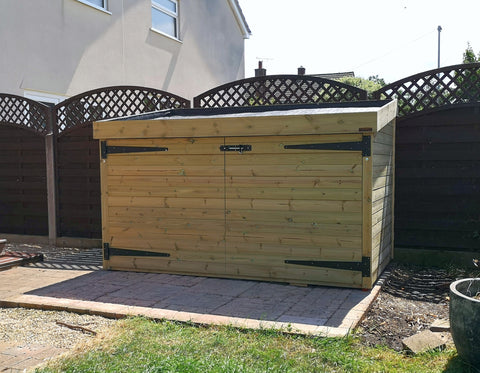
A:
x: 277, y: 90
x: 451, y: 85
x: 113, y: 102
x: 24, y: 113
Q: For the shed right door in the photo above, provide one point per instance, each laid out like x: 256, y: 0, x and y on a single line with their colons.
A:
x: 289, y: 207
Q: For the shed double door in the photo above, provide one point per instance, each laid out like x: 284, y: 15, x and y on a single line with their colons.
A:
x: 283, y: 208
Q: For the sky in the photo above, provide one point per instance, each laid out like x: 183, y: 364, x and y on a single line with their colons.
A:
x: 389, y: 38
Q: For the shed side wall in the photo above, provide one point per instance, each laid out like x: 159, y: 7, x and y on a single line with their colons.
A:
x: 383, y: 151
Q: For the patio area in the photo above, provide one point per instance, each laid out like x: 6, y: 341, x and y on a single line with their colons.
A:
x: 72, y: 280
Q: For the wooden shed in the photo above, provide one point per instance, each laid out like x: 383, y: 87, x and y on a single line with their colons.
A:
x: 297, y: 194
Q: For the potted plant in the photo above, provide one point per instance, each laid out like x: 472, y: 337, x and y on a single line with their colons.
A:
x: 465, y: 318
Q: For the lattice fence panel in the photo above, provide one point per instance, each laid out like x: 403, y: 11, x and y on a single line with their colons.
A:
x: 278, y: 90
x: 446, y: 86
x: 113, y: 102
x: 24, y: 113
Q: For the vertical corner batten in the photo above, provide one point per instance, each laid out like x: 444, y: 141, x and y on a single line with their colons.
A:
x: 367, y: 184
x: 104, y: 204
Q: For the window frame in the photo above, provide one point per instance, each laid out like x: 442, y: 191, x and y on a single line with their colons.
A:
x: 174, y: 15
x: 103, y: 8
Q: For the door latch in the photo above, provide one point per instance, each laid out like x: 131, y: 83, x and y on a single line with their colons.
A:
x: 236, y: 148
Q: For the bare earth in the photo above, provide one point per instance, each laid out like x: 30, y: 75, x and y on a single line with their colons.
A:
x: 411, y: 299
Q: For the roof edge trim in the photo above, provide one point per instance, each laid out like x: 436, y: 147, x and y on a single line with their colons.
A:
x: 240, y: 17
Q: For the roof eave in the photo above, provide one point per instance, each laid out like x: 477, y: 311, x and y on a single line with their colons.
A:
x: 240, y: 17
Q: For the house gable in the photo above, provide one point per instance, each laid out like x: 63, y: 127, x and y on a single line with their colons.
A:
x: 240, y: 18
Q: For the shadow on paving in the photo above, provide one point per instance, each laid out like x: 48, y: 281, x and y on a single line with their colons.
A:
x: 265, y: 301
x: 71, y: 259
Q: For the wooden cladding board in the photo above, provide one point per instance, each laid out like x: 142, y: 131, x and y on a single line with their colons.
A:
x: 383, y: 148
x: 236, y: 214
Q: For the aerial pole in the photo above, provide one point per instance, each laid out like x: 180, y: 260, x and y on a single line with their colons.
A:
x: 439, y: 29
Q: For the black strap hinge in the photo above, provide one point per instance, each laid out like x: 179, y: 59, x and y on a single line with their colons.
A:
x: 113, y: 251
x: 364, y: 146
x: 111, y: 149
x: 364, y: 266
x: 367, y: 146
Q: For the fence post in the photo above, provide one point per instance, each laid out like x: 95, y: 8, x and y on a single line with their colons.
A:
x: 51, y: 183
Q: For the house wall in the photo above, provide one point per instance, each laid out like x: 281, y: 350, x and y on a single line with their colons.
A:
x: 64, y: 47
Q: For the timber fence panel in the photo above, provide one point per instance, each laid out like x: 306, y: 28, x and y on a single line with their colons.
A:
x: 23, y: 195
x: 278, y: 90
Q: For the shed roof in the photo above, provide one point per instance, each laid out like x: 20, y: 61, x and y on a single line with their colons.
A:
x: 345, y: 117
x: 252, y: 111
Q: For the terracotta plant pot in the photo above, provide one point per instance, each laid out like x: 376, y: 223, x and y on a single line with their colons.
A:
x: 465, y: 319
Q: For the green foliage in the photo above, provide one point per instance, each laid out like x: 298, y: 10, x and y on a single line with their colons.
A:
x: 469, y: 81
x: 141, y: 345
x: 372, y: 84
x: 469, y: 55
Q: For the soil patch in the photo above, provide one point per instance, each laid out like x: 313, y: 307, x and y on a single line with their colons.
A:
x: 410, y: 300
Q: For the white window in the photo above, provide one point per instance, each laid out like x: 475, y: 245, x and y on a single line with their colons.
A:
x: 165, y: 17
x: 97, y: 4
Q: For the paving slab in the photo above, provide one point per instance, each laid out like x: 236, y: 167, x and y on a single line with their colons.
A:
x: 311, y: 310
x: 423, y: 341
x: 19, y: 358
x: 74, y: 281
x: 440, y: 325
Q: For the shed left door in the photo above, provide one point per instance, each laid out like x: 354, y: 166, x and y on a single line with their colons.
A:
x: 163, y: 205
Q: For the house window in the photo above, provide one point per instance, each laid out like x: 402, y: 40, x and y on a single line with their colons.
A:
x: 165, y: 17
x: 97, y: 4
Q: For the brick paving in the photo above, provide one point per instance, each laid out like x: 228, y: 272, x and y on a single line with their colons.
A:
x: 20, y: 358
x: 76, y: 283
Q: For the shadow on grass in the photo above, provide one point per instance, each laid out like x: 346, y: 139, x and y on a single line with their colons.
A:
x: 457, y: 365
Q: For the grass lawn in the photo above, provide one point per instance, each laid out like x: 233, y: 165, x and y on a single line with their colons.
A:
x: 141, y: 345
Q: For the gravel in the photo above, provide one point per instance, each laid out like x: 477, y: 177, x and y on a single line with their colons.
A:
x: 22, y: 326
